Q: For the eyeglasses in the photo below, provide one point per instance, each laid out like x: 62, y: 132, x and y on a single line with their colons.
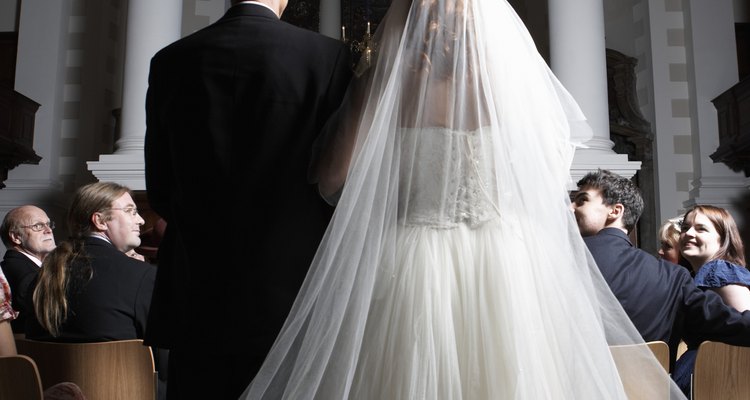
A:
x: 40, y: 226
x: 130, y: 210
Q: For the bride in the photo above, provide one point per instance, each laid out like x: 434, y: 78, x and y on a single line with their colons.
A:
x: 453, y: 268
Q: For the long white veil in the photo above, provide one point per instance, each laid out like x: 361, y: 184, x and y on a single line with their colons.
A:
x: 458, y: 122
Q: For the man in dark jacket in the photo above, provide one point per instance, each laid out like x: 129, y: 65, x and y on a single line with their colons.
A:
x: 26, y: 232
x: 235, y: 108
x: 659, y: 297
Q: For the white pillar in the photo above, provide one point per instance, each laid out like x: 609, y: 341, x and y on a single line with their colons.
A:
x: 151, y: 26
x: 578, y: 59
x: 712, y: 69
x: 330, y: 18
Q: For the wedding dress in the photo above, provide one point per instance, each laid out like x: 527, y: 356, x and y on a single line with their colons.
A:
x: 453, y: 267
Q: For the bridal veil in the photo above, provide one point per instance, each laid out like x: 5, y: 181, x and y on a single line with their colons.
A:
x: 453, y: 267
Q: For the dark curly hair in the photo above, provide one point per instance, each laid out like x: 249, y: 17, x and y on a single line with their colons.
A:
x: 616, y: 189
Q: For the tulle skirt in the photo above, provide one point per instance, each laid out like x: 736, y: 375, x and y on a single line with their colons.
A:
x: 477, y: 313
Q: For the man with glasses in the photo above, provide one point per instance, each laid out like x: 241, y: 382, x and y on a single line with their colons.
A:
x: 26, y: 232
x: 89, y: 289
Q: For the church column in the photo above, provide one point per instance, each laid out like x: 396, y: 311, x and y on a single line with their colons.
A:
x: 578, y: 59
x: 151, y: 25
x: 712, y: 67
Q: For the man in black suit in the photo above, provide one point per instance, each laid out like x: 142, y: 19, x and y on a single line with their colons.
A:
x: 106, y: 293
x: 26, y: 232
x: 100, y: 291
x: 234, y: 108
x: 659, y: 297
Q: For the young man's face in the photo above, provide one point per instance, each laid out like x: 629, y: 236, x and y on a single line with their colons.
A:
x: 590, y: 211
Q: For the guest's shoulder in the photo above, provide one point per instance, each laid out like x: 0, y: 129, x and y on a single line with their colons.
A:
x: 13, y: 256
x: 137, y: 267
x: 100, y: 249
x: 678, y: 272
x: 719, y: 273
x: 607, y: 236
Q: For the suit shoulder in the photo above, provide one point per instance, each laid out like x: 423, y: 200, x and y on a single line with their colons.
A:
x: 601, y: 241
x: 185, y: 43
x: 674, y: 270
x: 15, y: 262
x: 308, y: 36
x: 138, y: 267
x: 106, y: 253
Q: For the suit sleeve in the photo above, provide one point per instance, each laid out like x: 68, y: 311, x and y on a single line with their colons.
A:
x: 708, y: 318
x: 338, y: 111
x: 143, y: 299
x: 22, y: 298
x: 342, y: 74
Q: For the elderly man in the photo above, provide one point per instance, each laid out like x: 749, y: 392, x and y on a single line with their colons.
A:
x: 26, y: 232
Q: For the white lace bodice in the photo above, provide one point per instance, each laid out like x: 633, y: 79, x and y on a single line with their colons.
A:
x: 447, y: 178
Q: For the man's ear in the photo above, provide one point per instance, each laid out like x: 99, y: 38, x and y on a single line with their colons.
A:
x: 99, y: 221
x: 616, y: 212
x: 14, y: 237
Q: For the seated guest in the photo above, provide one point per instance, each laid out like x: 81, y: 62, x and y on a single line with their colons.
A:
x: 7, y: 314
x: 88, y: 289
x: 59, y: 391
x: 660, y: 297
x: 669, y: 242
x: 711, y: 242
x: 26, y: 232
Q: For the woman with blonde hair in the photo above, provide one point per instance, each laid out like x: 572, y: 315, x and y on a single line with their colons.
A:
x: 669, y: 242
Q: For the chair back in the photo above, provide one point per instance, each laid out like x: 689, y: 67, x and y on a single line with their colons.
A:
x: 633, y: 364
x: 116, y: 370
x: 661, y: 352
x: 721, y: 372
x: 19, y: 378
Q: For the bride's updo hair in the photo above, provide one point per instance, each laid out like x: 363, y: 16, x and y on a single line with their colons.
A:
x: 442, y: 25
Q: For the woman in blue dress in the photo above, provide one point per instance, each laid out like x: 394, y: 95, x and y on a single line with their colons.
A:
x: 710, y: 241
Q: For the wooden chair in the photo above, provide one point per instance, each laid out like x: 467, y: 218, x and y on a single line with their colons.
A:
x: 632, y: 372
x: 117, y: 370
x: 661, y: 351
x: 721, y: 372
x: 19, y: 378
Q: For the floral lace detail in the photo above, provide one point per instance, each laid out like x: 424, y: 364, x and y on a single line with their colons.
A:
x: 6, y: 311
x: 446, y: 178
x: 719, y: 273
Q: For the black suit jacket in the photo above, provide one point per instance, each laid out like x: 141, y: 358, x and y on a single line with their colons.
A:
x: 232, y: 113
x: 20, y: 272
x: 113, y: 305
x: 661, y: 298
